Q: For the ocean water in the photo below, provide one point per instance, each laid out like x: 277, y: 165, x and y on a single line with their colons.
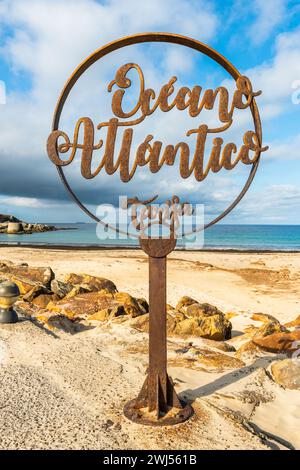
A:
x: 239, y: 237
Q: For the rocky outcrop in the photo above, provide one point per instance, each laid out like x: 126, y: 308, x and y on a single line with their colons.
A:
x: 191, y: 318
x: 204, y: 359
x: 90, y: 283
x: 5, y: 218
x: 31, y: 281
x: 98, y: 306
x: 279, y: 342
x: 268, y: 328
x: 264, y: 317
x: 11, y: 225
x: 287, y: 373
x: 200, y: 319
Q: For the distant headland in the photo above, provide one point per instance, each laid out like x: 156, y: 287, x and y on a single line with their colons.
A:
x: 11, y: 225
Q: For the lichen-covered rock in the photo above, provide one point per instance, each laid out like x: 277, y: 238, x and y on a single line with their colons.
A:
x: 185, y: 301
x: 214, y: 327
x: 248, y: 352
x: 26, y: 277
x: 91, y: 283
x: 221, y: 345
x: 35, y: 292
x: 76, y: 290
x: 201, y: 319
x: 279, y: 342
x: 202, y: 310
x: 205, y: 359
x: 268, y: 329
x: 287, y: 373
x: 43, y: 300
x: 218, y: 361
x: 130, y: 304
x: 264, y: 317
x: 97, y: 305
x: 107, y: 313
x: 61, y: 289
x: 56, y: 322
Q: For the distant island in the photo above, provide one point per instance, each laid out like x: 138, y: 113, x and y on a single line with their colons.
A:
x: 11, y: 225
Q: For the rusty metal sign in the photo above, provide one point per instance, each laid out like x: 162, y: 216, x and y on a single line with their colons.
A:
x: 157, y: 402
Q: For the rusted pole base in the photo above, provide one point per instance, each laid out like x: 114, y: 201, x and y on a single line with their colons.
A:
x: 162, y: 408
x: 157, y: 403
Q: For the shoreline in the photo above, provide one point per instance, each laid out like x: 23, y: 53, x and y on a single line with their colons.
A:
x: 132, y: 247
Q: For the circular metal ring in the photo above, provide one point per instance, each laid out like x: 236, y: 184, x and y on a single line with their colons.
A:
x: 145, y: 38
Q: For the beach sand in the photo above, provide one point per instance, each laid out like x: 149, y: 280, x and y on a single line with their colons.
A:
x: 63, y: 391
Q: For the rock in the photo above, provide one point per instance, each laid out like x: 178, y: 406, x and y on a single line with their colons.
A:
x: 268, y: 329
x: 202, y: 310
x: 91, y: 283
x: 279, y: 342
x: 102, y: 303
x: 143, y: 304
x: 293, y: 323
x: 8, y: 218
x: 203, y: 320
x: 130, y: 304
x: 221, y: 345
x: 44, y: 299
x: 248, y: 352
x: 215, y: 327
x: 107, y: 313
x: 213, y: 361
x: 185, y: 301
x: 56, y: 322
x: 264, y: 317
x: 76, y: 290
x: 218, y: 361
x: 27, y: 277
x: 61, y: 289
x: 14, y: 227
x: 287, y: 373
x: 35, y: 292
x: 141, y: 323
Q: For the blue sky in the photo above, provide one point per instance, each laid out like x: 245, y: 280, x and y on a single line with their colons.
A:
x: 42, y: 41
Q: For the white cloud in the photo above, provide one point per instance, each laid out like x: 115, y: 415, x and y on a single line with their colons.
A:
x: 285, y: 149
x: 269, y: 14
x: 275, y: 78
x: 23, y: 202
x: 275, y: 203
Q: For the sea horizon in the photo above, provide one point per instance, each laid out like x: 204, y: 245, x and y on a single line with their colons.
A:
x: 224, y: 237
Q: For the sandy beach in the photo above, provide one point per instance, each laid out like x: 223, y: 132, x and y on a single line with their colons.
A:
x: 62, y: 390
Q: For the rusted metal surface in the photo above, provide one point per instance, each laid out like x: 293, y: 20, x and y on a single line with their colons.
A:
x: 158, y: 403
x: 145, y: 38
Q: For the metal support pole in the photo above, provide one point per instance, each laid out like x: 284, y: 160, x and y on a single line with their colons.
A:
x: 157, y: 377
x: 157, y: 402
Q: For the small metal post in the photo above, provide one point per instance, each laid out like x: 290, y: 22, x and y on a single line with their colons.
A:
x: 157, y: 403
x: 9, y: 294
